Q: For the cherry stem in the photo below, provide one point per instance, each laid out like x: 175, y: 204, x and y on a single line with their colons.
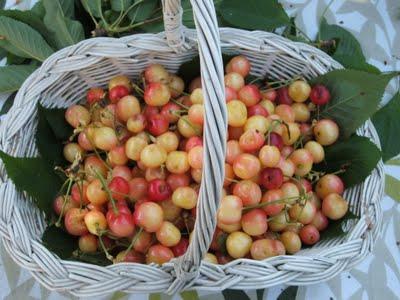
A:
x: 103, y: 247
x: 278, y: 201
x: 105, y: 187
x: 134, y: 239
x: 180, y: 104
x: 58, y: 223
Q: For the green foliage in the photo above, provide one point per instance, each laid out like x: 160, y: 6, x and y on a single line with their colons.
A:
x: 335, y: 228
x: 8, y: 104
x: 142, y: 11
x: 12, y: 77
x: 254, y: 14
x: 60, y: 242
x: 65, y: 31
x: 355, y: 97
x: 348, y: 50
x: 357, y: 156
x: 387, y: 124
x: 35, y: 177
x: 21, y: 40
x: 189, y: 295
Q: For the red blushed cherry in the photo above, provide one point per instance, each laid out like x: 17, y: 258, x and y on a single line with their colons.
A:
x: 78, y: 192
x: 257, y: 110
x: 178, y: 180
x: 171, y: 112
x: 119, y: 188
x: 181, y: 247
x: 230, y: 94
x: 271, y: 178
x: 158, y: 190
x: 269, y: 95
x: 193, y: 142
x: 320, y: 95
x: 149, y: 111
x: 95, y: 95
x: 276, y: 140
x: 251, y: 140
x: 157, y: 124
x: 74, y: 221
x: 117, y: 92
x: 121, y: 224
x: 283, y: 96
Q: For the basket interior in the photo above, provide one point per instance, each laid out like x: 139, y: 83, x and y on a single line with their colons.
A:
x: 70, y: 87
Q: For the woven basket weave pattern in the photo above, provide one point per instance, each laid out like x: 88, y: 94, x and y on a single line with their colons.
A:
x: 63, y: 80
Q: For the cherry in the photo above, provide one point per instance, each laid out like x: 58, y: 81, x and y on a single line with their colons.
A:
x: 87, y: 243
x: 180, y: 248
x: 271, y: 196
x: 95, y: 193
x: 127, y: 107
x: 238, y: 244
x: 155, y: 173
x: 234, y: 80
x: 269, y: 156
x: 134, y: 147
x: 157, y: 124
x: 120, y: 80
x: 58, y: 204
x: 117, y: 156
x: 196, y: 96
x: 283, y: 96
x: 158, y: 190
x: 269, y: 95
x: 299, y: 90
x: 195, y: 157
x: 251, y: 140
x: 119, y: 188
x: 210, y: 258
x: 257, y: 110
x: 254, y: 222
x: 131, y: 256
x: 149, y: 111
x: 138, y: 188
x: 233, y: 150
x: 271, y: 178
x: 178, y: 180
x: 94, y: 95
x: 303, y: 213
x: 153, y: 156
x: 230, y: 210
x: 159, y: 254
x: 196, y: 114
x: 249, y: 94
x: 193, y: 142
x: 234, y: 133
x: 177, y: 162
x: 309, y: 235
x: 77, y: 115
x: 239, y: 64
x: 156, y: 94
x: 78, y: 192
x: 285, y: 112
x: 246, y: 166
x: 334, y: 206
x: 291, y: 241
x: 184, y: 197
x: 194, y: 84
x: 168, y: 234
x: 275, y: 140
x: 248, y: 191
x: 176, y: 85
x: 156, y: 73
x: 320, y: 221
x: 320, y: 95
x: 168, y: 140
x: 328, y: 184
x: 117, y: 92
x: 148, y: 215
x: 95, y: 221
x: 121, y: 224
x: 326, y: 132
x: 171, y: 112
x: 230, y: 94
x: 265, y: 248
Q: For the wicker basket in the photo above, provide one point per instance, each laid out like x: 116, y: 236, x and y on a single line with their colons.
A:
x: 63, y: 79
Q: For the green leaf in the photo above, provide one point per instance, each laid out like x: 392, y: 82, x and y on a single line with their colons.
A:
x: 92, y: 7
x: 289, y: 293
x: 15, y: 60
x: 38, y: 9
x: 118, y: 5
x: 49, y: 146
x: 189, y: 295
x: 35, y: 177
x: 387, y: 124
x: 98, y: 258
x: 348, y: 50
x: 68, y: 8
x: 8, y: 104
x: 260, y: 294
x: 27, y: 17
x: 65, y: 31
x: 254, y: 14
x: 153, y: 27
x: 143, y: 11
x: 392, y: 187
x: 12, y: 77
x: 355, y: 96
x: 21, y: 40
x: 60, y: 242
x: 2, y: 3
x: 56, y: 120
x: 335, y: 228
x: 357, y: 155
x: 235, y: 294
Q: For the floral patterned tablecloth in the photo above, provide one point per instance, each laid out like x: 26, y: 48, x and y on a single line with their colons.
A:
x: 376, y: 24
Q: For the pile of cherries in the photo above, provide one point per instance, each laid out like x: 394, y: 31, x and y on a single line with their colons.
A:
x: 136, y: 158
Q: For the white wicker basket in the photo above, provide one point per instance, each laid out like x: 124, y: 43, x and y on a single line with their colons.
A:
x: 63, y: 79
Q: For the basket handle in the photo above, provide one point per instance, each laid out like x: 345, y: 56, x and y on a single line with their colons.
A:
x: 215, y: 130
